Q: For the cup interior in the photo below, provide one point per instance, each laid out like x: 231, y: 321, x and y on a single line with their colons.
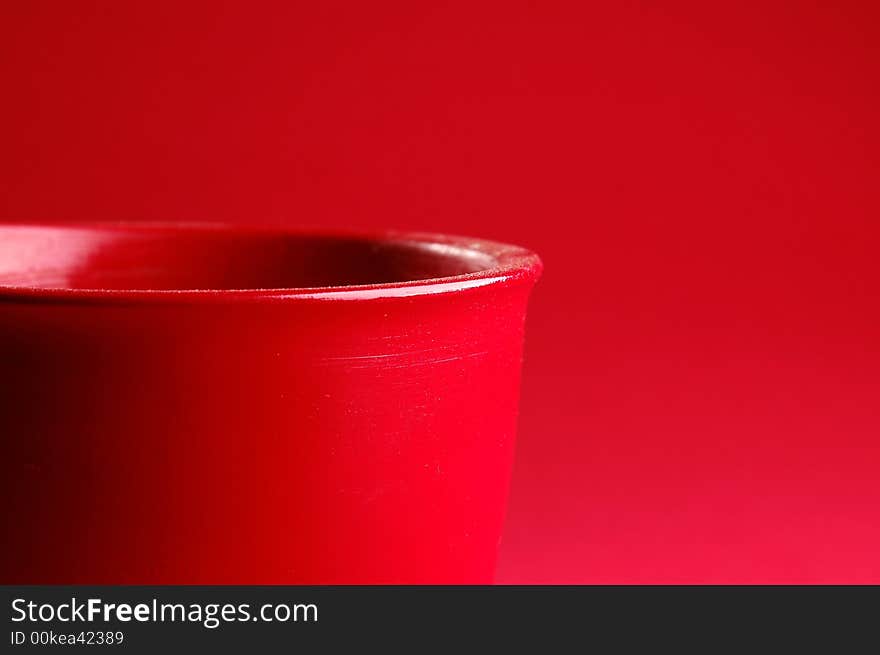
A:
x: 132, y: 258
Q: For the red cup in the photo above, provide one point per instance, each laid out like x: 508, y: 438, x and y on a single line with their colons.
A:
x: 205, y: 405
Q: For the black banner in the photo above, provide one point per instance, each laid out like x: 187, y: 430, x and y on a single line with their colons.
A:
x: 282, y: 618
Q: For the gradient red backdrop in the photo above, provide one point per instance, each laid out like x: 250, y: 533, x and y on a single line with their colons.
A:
x: 702, y: 386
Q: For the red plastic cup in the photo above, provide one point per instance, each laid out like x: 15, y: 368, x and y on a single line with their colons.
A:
x: 186, y: 405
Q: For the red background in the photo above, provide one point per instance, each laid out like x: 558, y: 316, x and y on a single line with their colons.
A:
x: 701, y: 399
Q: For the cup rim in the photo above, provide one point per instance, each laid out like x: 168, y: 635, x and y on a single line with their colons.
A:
x: 509, y: 263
